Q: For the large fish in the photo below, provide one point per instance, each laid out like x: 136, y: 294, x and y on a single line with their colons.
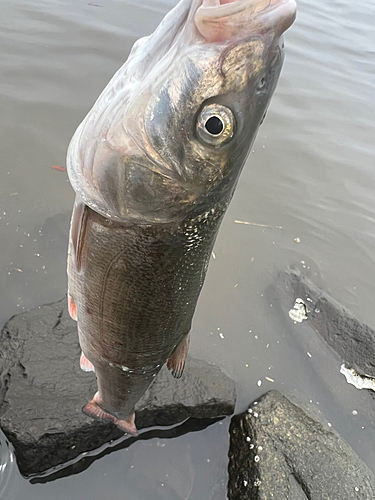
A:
x: 154, y: 165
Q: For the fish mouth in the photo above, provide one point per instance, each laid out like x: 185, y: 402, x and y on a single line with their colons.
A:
x: 221, y: 20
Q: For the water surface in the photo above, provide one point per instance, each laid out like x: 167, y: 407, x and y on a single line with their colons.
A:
x: 311, y: 173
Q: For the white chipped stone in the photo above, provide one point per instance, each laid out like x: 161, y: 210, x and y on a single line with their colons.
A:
x: 299, y: 311
x: 359, y: 381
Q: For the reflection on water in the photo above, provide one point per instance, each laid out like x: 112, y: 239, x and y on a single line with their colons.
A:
x: 311, y: 173
x: 83, y: 461
x: 8, y: 469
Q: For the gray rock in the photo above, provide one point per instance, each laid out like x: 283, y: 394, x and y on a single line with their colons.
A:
x: 278, y: 452
x: 354, y: 342
x: 43, y: 389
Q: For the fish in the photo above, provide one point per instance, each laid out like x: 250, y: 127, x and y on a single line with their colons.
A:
x: 154, y: 166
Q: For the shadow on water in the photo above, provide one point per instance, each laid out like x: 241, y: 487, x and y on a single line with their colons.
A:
x: 84, y: 461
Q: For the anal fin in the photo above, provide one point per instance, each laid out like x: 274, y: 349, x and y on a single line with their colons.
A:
x: 176, y: 362
x: 85, y: 364
x: 93, y: 410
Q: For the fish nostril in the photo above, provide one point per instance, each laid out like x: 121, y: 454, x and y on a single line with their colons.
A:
x: 214, y: 125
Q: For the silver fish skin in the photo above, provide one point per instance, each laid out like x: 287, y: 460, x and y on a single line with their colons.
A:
x: 154, y: 165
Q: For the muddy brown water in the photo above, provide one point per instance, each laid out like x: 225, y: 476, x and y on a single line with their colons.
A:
x: 311, y: 173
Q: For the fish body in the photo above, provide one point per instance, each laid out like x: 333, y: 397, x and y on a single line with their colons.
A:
x: 154, y: 165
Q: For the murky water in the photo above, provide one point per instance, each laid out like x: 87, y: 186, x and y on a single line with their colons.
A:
x: 310, y: 174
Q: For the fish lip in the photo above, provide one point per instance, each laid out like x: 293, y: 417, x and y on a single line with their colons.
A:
x: 239, y: 18
x: 235, y: 7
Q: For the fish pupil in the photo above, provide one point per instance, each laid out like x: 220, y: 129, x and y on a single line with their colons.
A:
x: 214, y: 125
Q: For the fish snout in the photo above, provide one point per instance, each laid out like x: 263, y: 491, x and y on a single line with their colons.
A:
x: 222, y: 20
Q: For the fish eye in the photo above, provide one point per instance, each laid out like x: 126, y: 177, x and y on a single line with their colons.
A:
x: 215, y: 124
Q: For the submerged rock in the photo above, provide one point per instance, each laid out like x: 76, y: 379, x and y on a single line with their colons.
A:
x: 353, y: 341
x: 278, y: 452
x: 43, y: 389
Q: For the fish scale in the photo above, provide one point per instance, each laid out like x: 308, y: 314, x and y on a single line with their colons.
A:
x: 157, y: 275
x: 140, y: 285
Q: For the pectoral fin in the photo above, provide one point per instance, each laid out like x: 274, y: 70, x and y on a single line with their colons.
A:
x: 176, y: 362
x: 78, y: 231
x: 93, y: 410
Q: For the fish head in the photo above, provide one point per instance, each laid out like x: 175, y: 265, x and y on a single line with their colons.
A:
x: 175, y: 124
